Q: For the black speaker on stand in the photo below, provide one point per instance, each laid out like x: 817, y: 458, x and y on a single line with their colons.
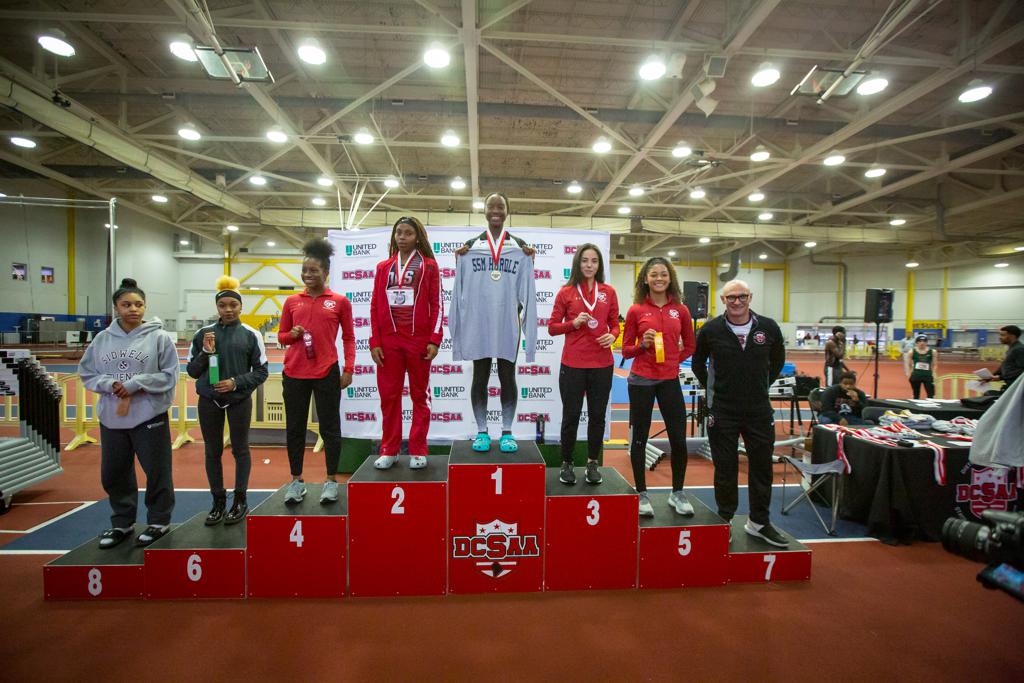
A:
x: 877, y: 310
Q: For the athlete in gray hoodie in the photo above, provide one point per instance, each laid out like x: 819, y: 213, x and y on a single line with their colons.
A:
x: 133, y: 366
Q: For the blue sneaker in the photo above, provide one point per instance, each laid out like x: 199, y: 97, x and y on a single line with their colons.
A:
x: 482, y: 442
x: 508, y: 444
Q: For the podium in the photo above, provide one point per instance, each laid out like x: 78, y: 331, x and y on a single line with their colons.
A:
x: 398, y: 529
x: 752, y: 560
x: 197, y: 561
x: 297, y: 550
x: 678, y: 551
x: 89, y: 573
x: 495, y: 519
x: 591, y: 533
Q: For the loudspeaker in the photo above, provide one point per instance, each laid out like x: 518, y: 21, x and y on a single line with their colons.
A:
x: 878, y: 305
x: 695, y: 296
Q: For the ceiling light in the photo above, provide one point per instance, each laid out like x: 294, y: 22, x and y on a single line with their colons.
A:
x: 324, y: 181
x: 834, y: 160
x: 258, y: 180
x: 53, y: 41
x: 183, y: 243
x: 450, y: 139
x: 391, y: 182
x: 698, y: 193
x: 623, y: 210
x: 319, y: 201
x: 23, y: 142
x: 159, y: 199
x: 311, y: 53
x: 436, y: 56
x: 652, y: 69
x: 872, y: 86
x: 107, y: 226
x: 760, y: 154
x: 1021, y: 248
x: 912, y: 264
x: 636, y: 191
x: 602, y: 146
x: 271, y: 243
x: 976, y: 90
x: 755, y: 196
x: 682, y: 150
x: 189, y: 132
x: 2, y: 195
x: 232, y: 228
x: 763, y: 256
x: 765, y: 216
x: 704, y: 240
x: 671, y: 253
x: 1001, y: 264
x: 458, y: 183
x: 277, y: 135
x: 810, y: 245
x: 363, y: 137
x: 765, y: 75
x: 897, y: 222
x: 574, y: 188
x: 183, y: 50
x: 478, y: 204
x: 874, y: 172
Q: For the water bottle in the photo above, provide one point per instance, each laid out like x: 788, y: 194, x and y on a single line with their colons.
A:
x: 540, y: 429
x: 214, y: 369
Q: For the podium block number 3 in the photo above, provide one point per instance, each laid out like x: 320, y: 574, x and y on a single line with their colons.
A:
x: 595, y: 512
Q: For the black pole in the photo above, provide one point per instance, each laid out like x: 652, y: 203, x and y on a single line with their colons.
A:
x: 877, y: 344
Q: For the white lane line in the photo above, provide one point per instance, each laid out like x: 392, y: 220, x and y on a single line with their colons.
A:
x: 56, y: 502
x: 48, y: 522
x: 838, y: 540
x: 32, y: 552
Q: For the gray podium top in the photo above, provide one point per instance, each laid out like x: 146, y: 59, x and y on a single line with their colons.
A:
x: 274, y: 505
x: 436, y: 470
x: 193, y: 534
x: 742, y: 542
x: 667, y: 516
x: 612, y: 485
x: 125, y: 553
x: 463, y: 454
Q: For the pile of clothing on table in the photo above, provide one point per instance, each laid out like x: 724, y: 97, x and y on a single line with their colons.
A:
x: 958, y: 425
x: 907, y: 419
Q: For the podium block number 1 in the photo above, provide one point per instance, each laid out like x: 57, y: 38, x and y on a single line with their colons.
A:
x: 496, y: 476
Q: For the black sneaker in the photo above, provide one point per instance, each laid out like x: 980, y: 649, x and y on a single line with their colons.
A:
x: 767, y: 533
x: 216, y: 512
x: 568, y: 474
x: 237, y: 513
x: 593, y: 473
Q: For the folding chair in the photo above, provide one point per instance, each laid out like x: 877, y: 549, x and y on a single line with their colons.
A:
x: 816, y: 475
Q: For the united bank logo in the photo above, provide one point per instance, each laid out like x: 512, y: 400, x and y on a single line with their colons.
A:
x: 534, y: 392
x: 544, y: 296
x: 361, y: 393
x: 542, y: 344
x: 449, y: 392
x: 496, y: 546
x: 446, y: 247
x: 494, y: 417
x: 566, y: 272
x: 446, y: 344
x: 357, y: 275
x: 361, y: 249
x: 359, y: 297
x: 542, y: 248
x: 362, y: 344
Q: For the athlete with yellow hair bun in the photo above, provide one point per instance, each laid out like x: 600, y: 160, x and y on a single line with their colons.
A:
x: 228, y: 361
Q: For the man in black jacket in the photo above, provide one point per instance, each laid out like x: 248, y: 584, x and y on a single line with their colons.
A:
x: 746, y: 353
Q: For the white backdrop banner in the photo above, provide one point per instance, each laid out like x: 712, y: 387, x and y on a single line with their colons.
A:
x: 356, y: 257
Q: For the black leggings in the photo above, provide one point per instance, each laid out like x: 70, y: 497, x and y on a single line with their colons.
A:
x: 211, y: 422
x: 573, y: 383
x: 478, y: 392
x: 673, y: 411
x: 929, y: 386
x: 327, y: 393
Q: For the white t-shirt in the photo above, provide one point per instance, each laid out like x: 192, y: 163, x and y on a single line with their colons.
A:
x: 741, y: 331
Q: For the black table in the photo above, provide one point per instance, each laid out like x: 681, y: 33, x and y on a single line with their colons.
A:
x: 893, y: 490
x: 947, y: 410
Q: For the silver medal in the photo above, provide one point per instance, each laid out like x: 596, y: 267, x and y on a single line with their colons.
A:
x: 495, y: 275
x: 592, y: 324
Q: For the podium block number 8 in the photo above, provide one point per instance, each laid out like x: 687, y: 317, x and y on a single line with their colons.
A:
x: 194, y: 568
x: 398, y: 495
x: 95, y: 582
x: 685, y: 544
x: 595, y: 512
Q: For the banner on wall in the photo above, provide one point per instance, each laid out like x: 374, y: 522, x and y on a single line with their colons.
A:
x: 357, y: 254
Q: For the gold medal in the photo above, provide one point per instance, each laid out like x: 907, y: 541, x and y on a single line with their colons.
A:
x: 495, y: 275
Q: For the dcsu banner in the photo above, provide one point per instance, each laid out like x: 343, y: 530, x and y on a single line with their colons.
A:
x: 356, y: 256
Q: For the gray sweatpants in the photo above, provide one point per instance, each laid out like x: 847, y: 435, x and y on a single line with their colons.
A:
x: 151, y: 442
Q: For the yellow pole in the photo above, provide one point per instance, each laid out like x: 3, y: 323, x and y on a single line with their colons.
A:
x: 785, y: 292
x: 227, y: 253
x: 910, y: 302
x: 72, y: 295
x: 944, y: 313
x: 711, y: 292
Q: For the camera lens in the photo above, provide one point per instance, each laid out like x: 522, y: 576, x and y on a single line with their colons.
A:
x: 966, y: 539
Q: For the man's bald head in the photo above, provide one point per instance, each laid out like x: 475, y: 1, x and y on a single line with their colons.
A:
x: 735, y: 287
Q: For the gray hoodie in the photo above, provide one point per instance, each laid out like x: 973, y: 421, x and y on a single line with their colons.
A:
x: 144, y: 360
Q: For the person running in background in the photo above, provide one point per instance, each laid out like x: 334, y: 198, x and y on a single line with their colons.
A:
x: 228, y: 361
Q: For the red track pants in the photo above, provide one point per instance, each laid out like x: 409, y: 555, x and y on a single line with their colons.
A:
x: 403, y: 355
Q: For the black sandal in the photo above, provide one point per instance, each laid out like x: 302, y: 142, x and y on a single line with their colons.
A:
x: 111, y: 537
x: 151, y: 535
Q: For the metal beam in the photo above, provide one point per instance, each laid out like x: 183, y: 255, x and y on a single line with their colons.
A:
x: 429, y: 6
x: 503, y: 12
x: 471, y: 56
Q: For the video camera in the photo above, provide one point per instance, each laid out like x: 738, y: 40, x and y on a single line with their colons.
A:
x: 999, y: 542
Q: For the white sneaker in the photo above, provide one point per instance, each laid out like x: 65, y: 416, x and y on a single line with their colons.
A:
x: 385, y: 462
x: 646, y: 509
x: 677, y: 500
x: 417, y: 462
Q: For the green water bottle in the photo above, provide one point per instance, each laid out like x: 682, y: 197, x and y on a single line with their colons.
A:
x: 214, y: 369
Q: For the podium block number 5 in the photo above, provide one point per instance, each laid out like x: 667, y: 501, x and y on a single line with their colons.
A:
x: 398, y: 495
x: 685, y: 544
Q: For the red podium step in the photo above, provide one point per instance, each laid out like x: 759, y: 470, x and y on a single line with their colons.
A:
x: 495, y: 519
x: 398, y: 528
x: 197, y: 561
x: 752, y: 560
x: 88, y: 573
x: 590, y: 533
x: 677, y: 551
x: 297, y: 550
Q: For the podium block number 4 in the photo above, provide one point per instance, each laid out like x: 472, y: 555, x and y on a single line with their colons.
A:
x: 685, y: 545
x: 770, y: 561
x: 296, y: 536
x: 595, y: 512
x: 95, y: 582
x: 398, y: 495
x: 194, y: 567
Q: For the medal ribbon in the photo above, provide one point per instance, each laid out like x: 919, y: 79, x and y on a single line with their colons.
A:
x: 590, y: 306
x: 495, y: 253
x: 401, y: 269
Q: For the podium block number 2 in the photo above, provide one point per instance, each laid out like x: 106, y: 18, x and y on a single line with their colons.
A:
x: 398, y: 495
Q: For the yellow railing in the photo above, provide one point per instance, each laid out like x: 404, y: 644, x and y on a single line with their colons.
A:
x: 996, y: 353
x: 955, y: 386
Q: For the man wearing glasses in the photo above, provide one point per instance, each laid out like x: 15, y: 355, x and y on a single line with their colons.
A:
x: 746, y: 355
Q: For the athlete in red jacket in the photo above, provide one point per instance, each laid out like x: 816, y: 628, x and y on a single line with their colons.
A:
x: 405, y: 332
x: 658, y: 337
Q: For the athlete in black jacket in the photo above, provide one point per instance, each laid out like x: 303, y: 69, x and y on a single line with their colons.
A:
x: 746, y: 354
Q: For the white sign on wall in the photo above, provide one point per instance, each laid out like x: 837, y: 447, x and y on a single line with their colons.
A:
x: 357, y: 254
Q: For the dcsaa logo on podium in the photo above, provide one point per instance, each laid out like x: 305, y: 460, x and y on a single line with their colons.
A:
x: 496, y: 545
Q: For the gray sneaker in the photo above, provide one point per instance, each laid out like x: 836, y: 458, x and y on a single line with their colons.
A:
x: 568, y: 474
x: 646, y: 509
x: 593, y: 473
x: 677, y: 500
x: 296, y: 492
x: 329, y: 493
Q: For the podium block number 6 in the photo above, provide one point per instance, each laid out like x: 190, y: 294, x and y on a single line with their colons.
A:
x: 194, y: 568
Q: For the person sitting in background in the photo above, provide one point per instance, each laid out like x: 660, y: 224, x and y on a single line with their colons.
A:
x: 842, y: 404
x: 1013, y: 363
